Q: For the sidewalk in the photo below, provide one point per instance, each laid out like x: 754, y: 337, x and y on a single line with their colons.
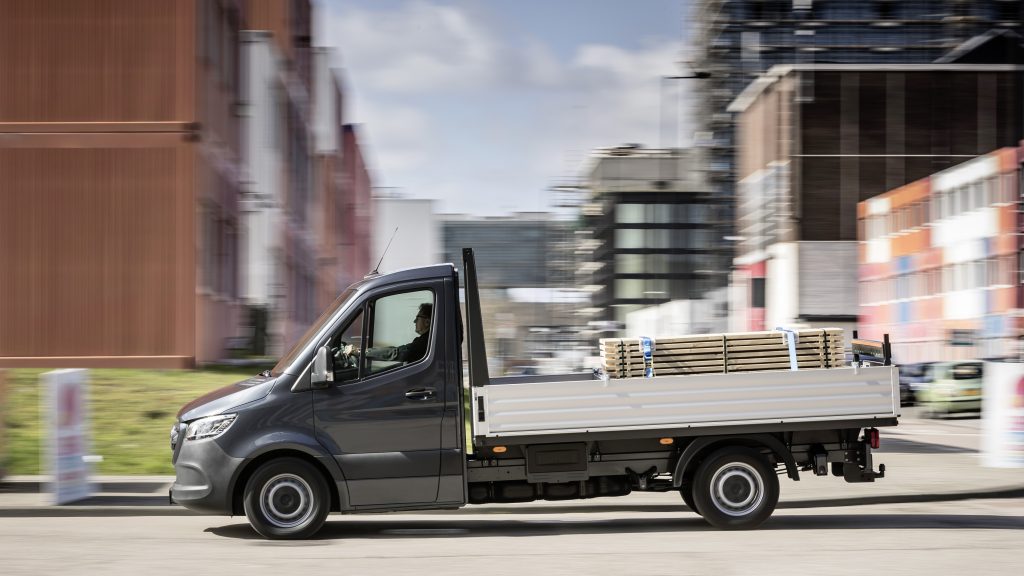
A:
x: 909, y: 477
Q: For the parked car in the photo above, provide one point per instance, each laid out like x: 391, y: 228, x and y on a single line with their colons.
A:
x: 913, y: 379
x: 956, y: 387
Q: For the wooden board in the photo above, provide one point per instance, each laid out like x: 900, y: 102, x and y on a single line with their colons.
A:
x: 720, y: 353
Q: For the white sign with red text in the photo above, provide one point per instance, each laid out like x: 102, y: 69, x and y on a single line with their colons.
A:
x: 65, y: 411
x: 1002, y: 413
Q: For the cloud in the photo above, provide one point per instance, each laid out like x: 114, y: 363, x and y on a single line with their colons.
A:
x: 619, y: 96
x: 401, y: 134
x: 458, y: 107
x: 540, y: 66
x: 417, y: 47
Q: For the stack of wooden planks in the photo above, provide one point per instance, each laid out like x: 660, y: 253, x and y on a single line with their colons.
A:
x: 724, y: 353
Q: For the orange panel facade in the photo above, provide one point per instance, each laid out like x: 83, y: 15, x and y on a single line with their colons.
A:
x: 119, y: 150
x: 96, y: 61
x: 97, y: 249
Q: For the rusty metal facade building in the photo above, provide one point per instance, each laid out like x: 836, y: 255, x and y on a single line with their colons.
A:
x: 119, y: 197
x: 124, y: 178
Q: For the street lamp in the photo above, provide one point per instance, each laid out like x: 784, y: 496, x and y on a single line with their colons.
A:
x: 695, y: 75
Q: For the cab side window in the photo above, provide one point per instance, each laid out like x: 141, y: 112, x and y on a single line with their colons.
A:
x: 398, y: 332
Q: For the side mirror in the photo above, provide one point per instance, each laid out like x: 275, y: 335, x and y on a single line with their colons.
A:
x: 323, y: 372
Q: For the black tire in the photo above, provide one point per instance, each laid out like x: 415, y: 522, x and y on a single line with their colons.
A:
x: 686, y: 491
x: 735, y: 489
x: 287, y: 498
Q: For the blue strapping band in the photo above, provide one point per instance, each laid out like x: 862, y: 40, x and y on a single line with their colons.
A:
x: 791, y: 339
x: 647, y: 348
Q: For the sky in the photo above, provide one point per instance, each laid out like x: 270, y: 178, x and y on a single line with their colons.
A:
x: 483, y: 105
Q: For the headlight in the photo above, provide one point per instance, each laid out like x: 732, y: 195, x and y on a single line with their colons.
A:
x: 206, y: 428
x: 175, y: 432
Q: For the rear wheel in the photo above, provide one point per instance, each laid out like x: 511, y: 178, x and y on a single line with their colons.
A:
x: 736, y: 489
x: 287, y: 498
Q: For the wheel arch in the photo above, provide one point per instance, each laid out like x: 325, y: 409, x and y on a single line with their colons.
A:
x: 334, y: 482
x: 703, y: 446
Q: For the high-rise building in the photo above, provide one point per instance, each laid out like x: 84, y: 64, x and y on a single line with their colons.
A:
x: 655, y: 231
x: 739, y: 39
x: 511, y: 251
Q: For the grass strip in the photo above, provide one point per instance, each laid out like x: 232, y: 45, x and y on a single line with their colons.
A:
x: 130, y: 411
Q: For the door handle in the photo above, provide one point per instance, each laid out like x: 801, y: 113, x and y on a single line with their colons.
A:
x: 420, y: 394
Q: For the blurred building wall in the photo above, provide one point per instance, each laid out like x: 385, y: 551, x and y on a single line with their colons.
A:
x: 511, y: 251
x: 679, y: 317
x: 939, y: 262
x: 360, y: 221
x: 528, y: 301
x: 119, y: 149
x: 327, y: 153
x: 418, y: 240
x: 815, y: 140
x: 295, y: 227
x: 263, y: 268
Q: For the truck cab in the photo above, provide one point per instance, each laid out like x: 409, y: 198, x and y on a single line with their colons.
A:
x: 324, y: 430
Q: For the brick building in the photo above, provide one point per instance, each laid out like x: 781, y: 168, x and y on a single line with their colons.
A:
x: 939, y: 262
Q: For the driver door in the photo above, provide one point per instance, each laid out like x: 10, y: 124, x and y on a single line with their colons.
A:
x: 381, y: 420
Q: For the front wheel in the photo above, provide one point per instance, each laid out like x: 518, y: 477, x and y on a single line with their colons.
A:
x: 736, y: 489
x: 287, y: 498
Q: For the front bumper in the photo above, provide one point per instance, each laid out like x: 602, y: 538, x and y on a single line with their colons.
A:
x: 202, y: 477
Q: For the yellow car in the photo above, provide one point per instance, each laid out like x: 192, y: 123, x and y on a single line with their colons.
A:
x: 956, y: 388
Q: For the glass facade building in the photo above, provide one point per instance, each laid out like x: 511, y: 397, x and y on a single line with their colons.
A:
x: 737, y: 40
x: 655, y: 231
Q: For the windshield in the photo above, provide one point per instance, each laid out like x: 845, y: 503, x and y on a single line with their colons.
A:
x: 967, y: 371
x: 296, y: 348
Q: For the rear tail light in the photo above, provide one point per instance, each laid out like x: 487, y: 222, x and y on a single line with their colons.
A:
x: 872, y: 436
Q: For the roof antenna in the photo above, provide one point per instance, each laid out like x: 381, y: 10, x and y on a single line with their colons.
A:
x: 374, y: 272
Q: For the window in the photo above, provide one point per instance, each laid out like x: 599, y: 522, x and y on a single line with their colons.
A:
x: 629, y: 264
x: 399, y: 331
x: 627, y: 238
x: 659, y: 213
x: 629, y: 288
x: 397, y: 334
x: 757, y: 293
x: 629, y: 214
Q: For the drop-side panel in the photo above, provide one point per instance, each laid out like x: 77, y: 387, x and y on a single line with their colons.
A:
x: 682, y: 401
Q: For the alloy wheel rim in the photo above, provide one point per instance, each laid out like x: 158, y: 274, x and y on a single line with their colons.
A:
x: 737, y: 489
x: 286, y: 501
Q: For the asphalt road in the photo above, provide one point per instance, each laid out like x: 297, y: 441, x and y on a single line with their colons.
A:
x: 957, y: 433
x: 972, y: 537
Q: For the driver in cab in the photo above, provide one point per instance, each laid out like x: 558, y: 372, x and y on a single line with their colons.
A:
x: 407, y: 353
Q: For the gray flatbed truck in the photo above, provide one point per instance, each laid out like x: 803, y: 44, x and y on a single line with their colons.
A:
x: 352, y: 419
